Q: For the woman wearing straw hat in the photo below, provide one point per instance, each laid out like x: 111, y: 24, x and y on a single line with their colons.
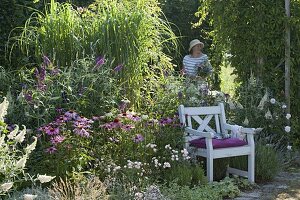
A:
x: 196, y: 68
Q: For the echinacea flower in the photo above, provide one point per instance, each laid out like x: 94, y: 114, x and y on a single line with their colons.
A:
x: 51, y: 150
x: 127, y: 127
x: 51, y: 131
x: 138, y: 138
x: 82, y: 132
x: 57, y: 139
x: 71, y: 115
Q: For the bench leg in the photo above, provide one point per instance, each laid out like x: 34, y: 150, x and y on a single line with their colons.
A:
x: 251, y: 168
x: 210, y: 169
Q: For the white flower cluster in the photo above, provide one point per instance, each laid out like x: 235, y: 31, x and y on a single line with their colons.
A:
x: 185, y: 154
x: 166, y: 165
x: 156, y: 163
x: 152, y: 146
x: 133, y: 165
x: 113, y: 168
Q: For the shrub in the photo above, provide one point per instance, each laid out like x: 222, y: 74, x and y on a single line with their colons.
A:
x: 88, y: 85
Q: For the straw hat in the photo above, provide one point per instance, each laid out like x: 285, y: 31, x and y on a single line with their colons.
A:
x: 195, y: 42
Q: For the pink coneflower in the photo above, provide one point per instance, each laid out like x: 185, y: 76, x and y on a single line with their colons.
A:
x: 82, y: 132
x: 127, y: 127
x: 61, y: 119
x: 51, y: 150
x: 138, y: 138
x: 95, y: 118
x: 57, y: 139
x: 71, y: 115
x: 51, y: 131
x: 107, y: 126
x: 134, y: 118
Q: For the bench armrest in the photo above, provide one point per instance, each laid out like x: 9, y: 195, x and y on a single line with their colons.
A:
x: 240, y: 128
x: 199, y: 133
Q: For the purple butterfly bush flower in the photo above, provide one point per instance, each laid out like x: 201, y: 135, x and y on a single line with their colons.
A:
x: 28, y: 96
x: 99, y: 62
x: 55, y: 72
x: 41, y: 76
x: 138, y: 138
x: 46, y: 61
x: 118, y: 68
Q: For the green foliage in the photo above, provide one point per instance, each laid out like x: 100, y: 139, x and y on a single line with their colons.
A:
x: 252, y: 32
x: 186, y: 174
x: 177, y: 192
x: 226, y: 188
x: 260, y: 108
x: 181, y: 24
x: 85, y: 86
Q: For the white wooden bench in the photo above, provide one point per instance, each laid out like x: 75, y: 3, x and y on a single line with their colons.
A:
x: 200, y: 138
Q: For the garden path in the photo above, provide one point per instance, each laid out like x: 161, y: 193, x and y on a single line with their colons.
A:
x: 285, y: 186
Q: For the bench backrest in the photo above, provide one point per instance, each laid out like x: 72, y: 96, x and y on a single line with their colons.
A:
x: 200, y: 118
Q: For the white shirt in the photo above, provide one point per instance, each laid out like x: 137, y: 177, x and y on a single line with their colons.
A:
x: 191, y: 64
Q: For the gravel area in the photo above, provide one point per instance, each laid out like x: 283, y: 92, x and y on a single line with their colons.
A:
x: 286, y: 186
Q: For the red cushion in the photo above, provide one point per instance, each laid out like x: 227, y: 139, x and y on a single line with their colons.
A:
x: 218, y: 143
